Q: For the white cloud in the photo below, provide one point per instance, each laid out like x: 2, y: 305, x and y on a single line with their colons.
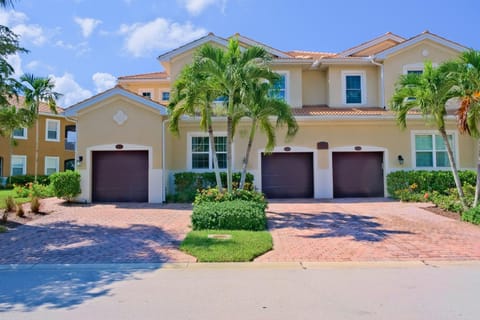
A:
x: 16, y: 62
x: 87, y: 25
x: 71, y: 90
x: 158, y: 35
x: 195, y: 7
x: 17, y: 22
x: 103, y: 81
x: 79, y: 48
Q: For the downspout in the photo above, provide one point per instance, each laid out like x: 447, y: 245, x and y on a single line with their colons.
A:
x: 382, y: 82
x: 164, y: 176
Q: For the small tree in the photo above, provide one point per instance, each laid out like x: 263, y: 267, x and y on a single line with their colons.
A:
x: 66, y: 185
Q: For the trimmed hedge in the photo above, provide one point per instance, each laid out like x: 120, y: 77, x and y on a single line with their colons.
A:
x: 66, y: 185
x: 472, y: 215
x: 187, y: 184
x: 229, y: 215
x: 214, y: 195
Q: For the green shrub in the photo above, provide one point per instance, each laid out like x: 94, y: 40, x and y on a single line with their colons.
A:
x: 472, y: 215
x: 187, y: 184
x: 33, y: 189
x: 229, y: 215
x: 66, y: 185
x: 23, y: 180
x: 214, y: 195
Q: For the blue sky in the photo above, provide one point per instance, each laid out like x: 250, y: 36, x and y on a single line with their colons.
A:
x: 85, y: 44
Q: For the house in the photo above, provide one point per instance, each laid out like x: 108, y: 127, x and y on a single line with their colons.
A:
x: 347, y: 143
x: 56, y: 145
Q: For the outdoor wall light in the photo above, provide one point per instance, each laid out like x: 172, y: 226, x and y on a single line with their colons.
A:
x: 400, y: 159
x: 79, y: 160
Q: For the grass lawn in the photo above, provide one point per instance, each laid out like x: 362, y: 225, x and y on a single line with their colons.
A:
x: 3, y: 229
x: 5, y: 193
x: 242, y: 246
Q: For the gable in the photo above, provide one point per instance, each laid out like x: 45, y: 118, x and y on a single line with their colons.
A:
x: 374, y: 49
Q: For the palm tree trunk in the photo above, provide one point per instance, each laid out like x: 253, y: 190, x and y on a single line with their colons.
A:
x: 453, y: 166
x: 247, y: 154
x: 229, y: 153
x: 477, y: 186
x: 215, y: 158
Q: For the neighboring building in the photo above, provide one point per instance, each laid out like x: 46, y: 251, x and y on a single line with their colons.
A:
x: 347, y: 143
x: 57, y: 140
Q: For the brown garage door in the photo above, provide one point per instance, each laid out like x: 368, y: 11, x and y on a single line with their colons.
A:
x: 287, y: 175
x: 120, y: 176
x: 357, y: 174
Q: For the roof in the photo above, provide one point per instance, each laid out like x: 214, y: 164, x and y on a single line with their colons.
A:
x: 43, y: 108
x: 388, y: 37
x: 301, y: 54
x: 328, y: 111
x: 146, y: 76
x: 118, y: 90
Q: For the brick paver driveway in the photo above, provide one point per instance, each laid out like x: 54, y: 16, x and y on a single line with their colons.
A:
x: 101, y: 233
x: 366, y: 230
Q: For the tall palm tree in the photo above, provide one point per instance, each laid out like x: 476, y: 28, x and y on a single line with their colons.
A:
x: 465, y: 74
x: 193, y: 95
x: 6, y: 3
x: 230, y: 71
x: 261, y: 107
x: 429, y: 92
x: 36, y: 91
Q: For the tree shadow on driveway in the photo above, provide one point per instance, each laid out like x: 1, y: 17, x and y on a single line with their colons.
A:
x: 333, y: 224
x: 62, y: 264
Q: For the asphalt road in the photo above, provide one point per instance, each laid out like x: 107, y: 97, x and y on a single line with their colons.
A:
x: 411, y: 290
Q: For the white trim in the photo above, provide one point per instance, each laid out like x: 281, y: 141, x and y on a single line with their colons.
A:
x: 24, y: 162
x: 418, y: 66
x: 386, y: 168
x: 191, y: 135
x: 23, y: 137
x: 363, y: 86
x: 285, y: 73
x: 413, y: 150
x: 57, y: 122
x: 57, y: 163
x: 192, y: 45
x: 270, y: 50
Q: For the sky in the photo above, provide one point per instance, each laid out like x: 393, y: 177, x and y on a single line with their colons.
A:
x: 84, y: 45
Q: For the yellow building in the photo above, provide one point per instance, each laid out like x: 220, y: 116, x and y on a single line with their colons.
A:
x: 347, y: 143
x: 57, y: 140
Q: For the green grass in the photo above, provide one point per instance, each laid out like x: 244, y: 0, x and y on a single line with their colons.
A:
x: 243, y: 245
x: 3, y: 229
x: 4, y: 195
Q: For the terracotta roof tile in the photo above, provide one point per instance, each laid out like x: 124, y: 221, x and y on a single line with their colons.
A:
x: 322, y: 110
x: 44, y: 107
x: 145, y: 76
x: 301, y: 54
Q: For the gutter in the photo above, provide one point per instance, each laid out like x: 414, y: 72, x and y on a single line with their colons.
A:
x: 382, y: 81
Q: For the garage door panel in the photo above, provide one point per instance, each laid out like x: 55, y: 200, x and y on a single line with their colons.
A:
x: 287, y: 175
x: 120, y: 176
x: 358, y: 174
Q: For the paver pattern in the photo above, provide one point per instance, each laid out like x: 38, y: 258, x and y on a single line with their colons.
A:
x: 99, y: 233
x: 366, y: 230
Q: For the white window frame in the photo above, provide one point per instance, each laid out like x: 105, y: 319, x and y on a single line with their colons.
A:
x: 57, y: 164
x: 285, y: 73
x: 57, y: 123
x: 23, y: 137
x: 189, y: 150
x: 418, y: 66
x: 433, y: 133
x: 24, y: 161
x: 363, y: 86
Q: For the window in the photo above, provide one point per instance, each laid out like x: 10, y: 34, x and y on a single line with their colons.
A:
x: 70, y: 137
x: 201, y: 154
x: 431, y: 152
x: 69, y: 165
x: 51, y: 165
x: 165, y: 96
x: 19, y: 165
x: 20, y: 133
x: 418, y: 72
x: 147, y: 94
x: 52, y: 130
x: 353, y: 84
x: 279, y: 90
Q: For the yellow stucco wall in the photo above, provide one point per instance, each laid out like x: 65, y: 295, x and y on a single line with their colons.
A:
x: 314, y: 89
x: 155, y: 87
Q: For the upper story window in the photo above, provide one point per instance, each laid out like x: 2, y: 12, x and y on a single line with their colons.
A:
x: 146, y: 94
x: 280, y: 87
x: 419, y: 72
x: 354, y: 87
x: 201, y: 153
x: 52, y: 130
x: 165, y: 95
x: 20, y: 133
x: 51, y: 165
x: 70, y: 137
x: 430, y: 150
x: 19, y: 166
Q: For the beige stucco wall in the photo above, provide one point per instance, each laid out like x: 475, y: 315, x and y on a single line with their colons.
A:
x: 416, y: 54
x: 294, y: 84
x: 336, y: 87
x: 314, y: 87
x: 155, y: 87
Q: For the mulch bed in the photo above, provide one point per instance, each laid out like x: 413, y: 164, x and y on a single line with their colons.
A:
x: 15, y: 221
x: 441, y: 212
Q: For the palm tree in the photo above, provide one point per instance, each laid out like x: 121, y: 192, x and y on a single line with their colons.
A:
x: 261, y: 107
x: 229, y: 71
x: 6, y: 3
x: 36, y: 91
x: 465, y: 74
x: 429, y: 92
x: 191, y: 95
